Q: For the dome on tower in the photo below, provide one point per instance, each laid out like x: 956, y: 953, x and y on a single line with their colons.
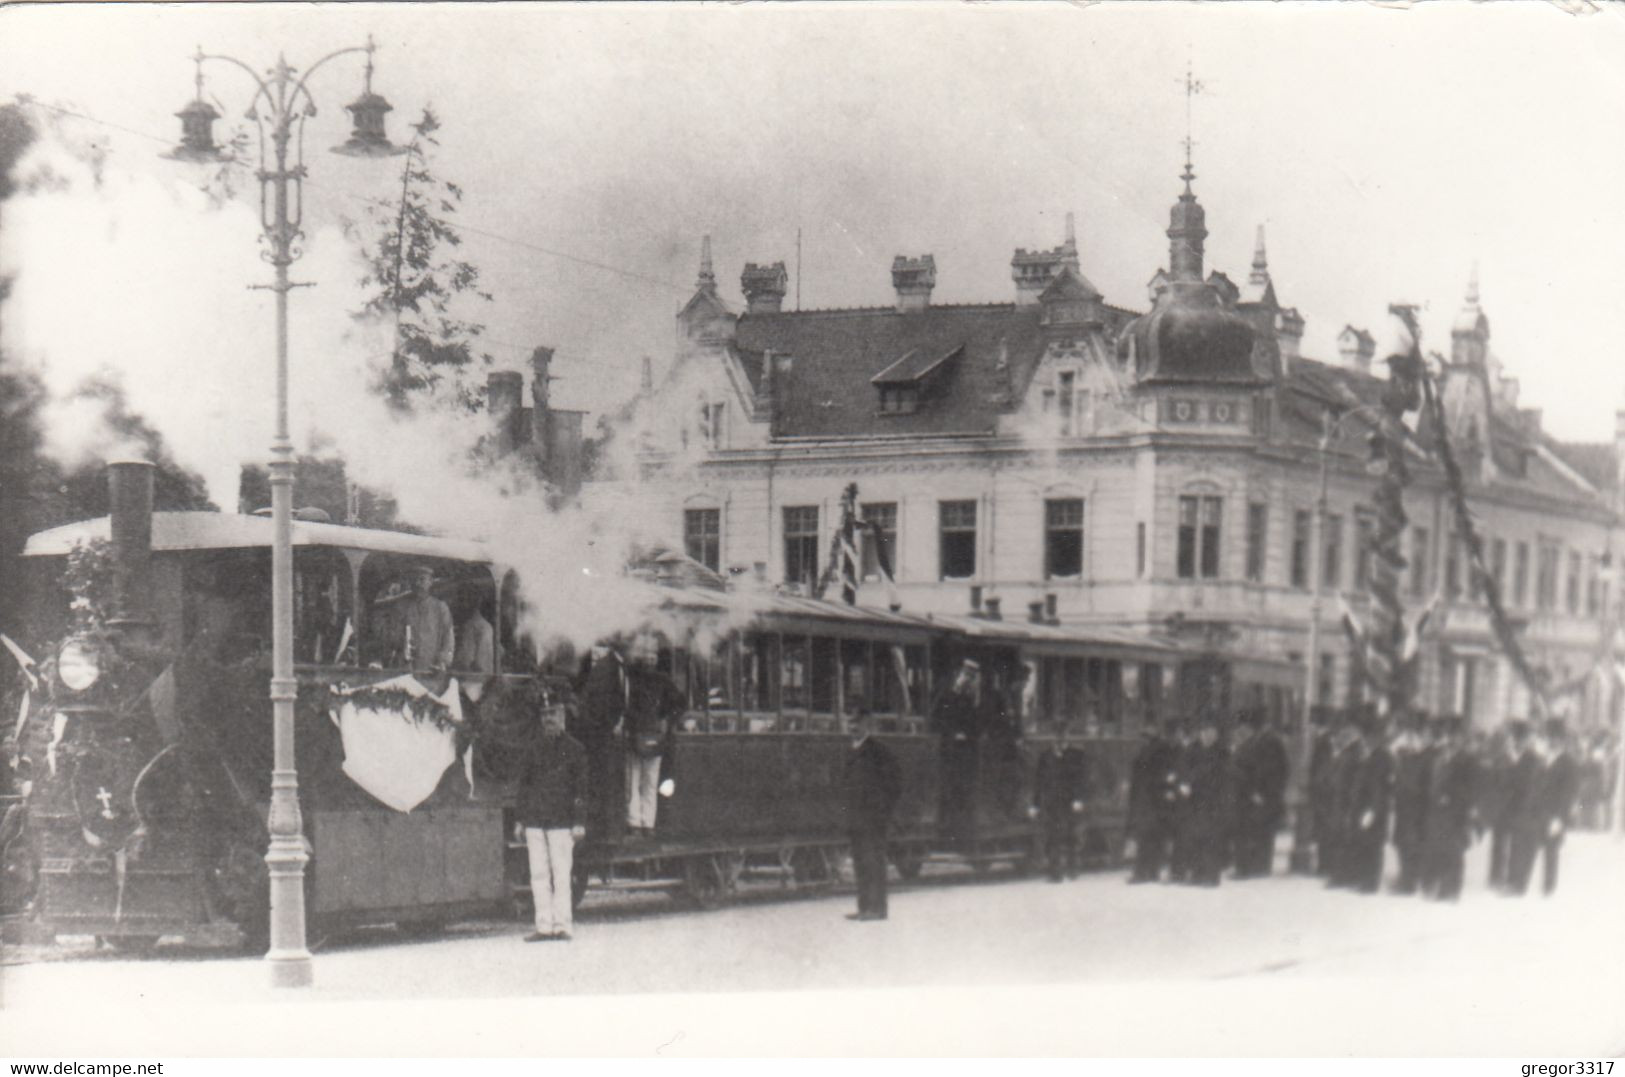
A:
x: 1189, y: 336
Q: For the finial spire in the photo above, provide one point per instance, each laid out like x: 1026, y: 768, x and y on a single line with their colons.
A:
x: 1193, y: 86
x: 707, y: 278
x: 1071, y: 231
x: 1472, y: 285
x: 1260, y: 261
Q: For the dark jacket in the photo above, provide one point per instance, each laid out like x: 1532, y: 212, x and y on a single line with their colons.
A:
x: 1412, y: 768
x: 1452, y: 791
x: 602, y: 691
x: 1153, y: 790
x: 874, y: 782
x: 1260, y: 768
x: 1206, y: 774
x: 1372, y: 796
x: 654, y: 704
x: 1058, y: 781
x: 553, y: 783
x: 1552, y: 793
x: 955, y: 714
x: 1518, y: 781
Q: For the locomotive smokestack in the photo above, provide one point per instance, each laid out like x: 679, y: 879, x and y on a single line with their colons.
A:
x: 129, y: 499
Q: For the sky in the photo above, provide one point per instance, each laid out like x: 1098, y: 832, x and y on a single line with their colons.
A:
x: 1384, y: 148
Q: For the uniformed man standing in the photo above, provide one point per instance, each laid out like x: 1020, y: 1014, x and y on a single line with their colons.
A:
x: 1547, y: 810
x: 1322, y: 752
x: 1335, y: 843
x: 1181, y: 861
x: 873, y: 783
x: 603, y: 690
x: 1370, y: 808
x: 957, y: 716
x: 1153, y: 797
x: 1260, y: 765
x: 1059, y: 794
x: 1513, y: 776
x: 1206, y: 786
x: 1452, y: 790
x: 1413, y: 760
x: 417, y: 629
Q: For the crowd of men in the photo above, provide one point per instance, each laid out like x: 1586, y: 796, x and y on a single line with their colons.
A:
x: 1428, y: 788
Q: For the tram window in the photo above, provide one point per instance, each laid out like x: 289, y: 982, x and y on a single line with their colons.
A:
x: 1111, y: 718
x: 1074, y: 693
x: 1151, y: 690
x: 228, y: 605
x: 386, y: 634
x: 793, y: 673
x: 823, y: 675
x: 321, y: 605
x: 855, y: 674
x: 917, y: 664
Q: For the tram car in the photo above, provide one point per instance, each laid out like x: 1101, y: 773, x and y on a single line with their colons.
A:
x: 770, y: 683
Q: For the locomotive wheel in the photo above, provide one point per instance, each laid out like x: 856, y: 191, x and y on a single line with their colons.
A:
x: 813, y: 866
x: 908, y: 863
x: 702, y: 881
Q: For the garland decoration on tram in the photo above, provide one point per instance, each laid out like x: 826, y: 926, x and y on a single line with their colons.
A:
x: 424, y: 708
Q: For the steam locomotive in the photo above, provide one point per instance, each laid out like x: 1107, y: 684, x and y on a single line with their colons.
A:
x: 141, y: 758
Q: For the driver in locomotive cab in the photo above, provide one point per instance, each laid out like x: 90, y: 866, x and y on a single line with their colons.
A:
x: 417, y: 628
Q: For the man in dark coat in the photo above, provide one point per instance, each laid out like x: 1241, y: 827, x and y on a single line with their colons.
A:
x: 1334, y: 843
x: 1452, y: 790
x: 1512, y: 774
x: 551, y: 808
x: 1059, y: 794
x: 1370, y: 807
x: 1205, y: 785
x: 873, y: 784
x: 956, y: 715
x: 654, y: 708
x: 1413, y: 762
x: 1322, y: 751
x: 1153, y: 796
x: 1181, y: 861
x: 602, y: 690
x: 1259, y: 764
x: 1547, y: 812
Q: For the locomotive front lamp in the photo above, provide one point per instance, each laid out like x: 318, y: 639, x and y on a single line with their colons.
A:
x: 368, y: 137
x: 79, y: 664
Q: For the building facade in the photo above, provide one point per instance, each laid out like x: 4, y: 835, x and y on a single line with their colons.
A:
x: 1057, y: 457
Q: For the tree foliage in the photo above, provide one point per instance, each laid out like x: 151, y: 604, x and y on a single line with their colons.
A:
x: 419, y: 284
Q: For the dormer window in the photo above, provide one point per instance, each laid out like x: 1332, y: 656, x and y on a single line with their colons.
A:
x: 899, y: 399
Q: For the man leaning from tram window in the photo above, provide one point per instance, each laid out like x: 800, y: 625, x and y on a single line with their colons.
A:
x: 551, y: 809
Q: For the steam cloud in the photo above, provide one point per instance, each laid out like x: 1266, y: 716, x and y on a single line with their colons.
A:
x: 141, y: 278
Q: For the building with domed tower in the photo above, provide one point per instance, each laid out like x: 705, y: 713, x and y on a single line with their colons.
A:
x: 1054, y: 456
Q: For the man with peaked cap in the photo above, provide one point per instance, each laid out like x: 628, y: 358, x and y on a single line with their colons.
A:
x: 1206, y: 786
x: 1153, y: 796
x: 1058, y: 800
x: 1547, y: 811
x: 1322, y: 751
x: 654, y: 707
x: 873, y: 784
x: 1260, y: 766
x: 1336, y: 843
x: 1370, y: 808
x: 1452, y: 790
x: 1413, y: 761
x: 1513, y: 774
x: 1181, y: 858
x: 956, y: 714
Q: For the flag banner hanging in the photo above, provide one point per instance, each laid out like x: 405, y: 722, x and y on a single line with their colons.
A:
x: 398, y: 737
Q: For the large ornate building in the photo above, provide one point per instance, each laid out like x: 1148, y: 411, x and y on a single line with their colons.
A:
x: 1060, y: 457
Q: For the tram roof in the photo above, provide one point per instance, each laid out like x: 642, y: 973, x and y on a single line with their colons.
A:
x: 775, y: 604
x: 176, y: 531
x: 1057, y: 635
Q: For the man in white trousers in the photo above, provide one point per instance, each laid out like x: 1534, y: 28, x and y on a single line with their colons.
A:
x: 552, y: 809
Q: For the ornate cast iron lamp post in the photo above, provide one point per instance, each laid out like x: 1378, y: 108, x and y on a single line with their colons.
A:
x: 280, y: 106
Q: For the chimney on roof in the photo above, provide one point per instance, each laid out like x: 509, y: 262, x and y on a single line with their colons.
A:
x: 1288, y: 334
x: 504, y: 390
x: 913, y: 278
x: 541, y: 412
x: 764, y: 287
x: 1357, y: 347
x: 1033, y: 270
